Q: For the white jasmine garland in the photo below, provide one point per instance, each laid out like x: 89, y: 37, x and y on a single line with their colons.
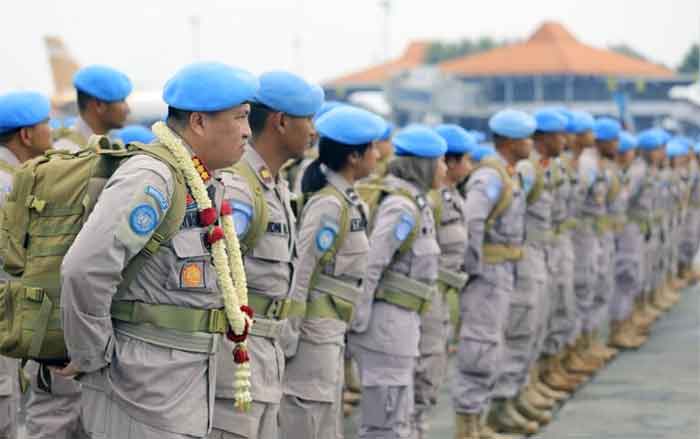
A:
x: 226, y: 254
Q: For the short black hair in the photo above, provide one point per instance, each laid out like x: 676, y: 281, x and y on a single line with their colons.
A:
x: 178, y: 117
x: 457, y: 156
x: 258, y: 117
x: 497, y: 138
x: 83, y: 99
x: 7, y: 136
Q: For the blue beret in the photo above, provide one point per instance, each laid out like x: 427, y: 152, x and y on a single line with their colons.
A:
x: 289, y: 93
x: 326, y: 107
x: 22, y: 109
x: 513, y: 124
x: 459, y: 141
x: 103, y: 82
x: 676, y: 147
x: 481, y: 152
x: 607, y: 128
x: 551, y: 121
x: 420, y: 141
x: 350, y: 125
x: 209, y: 86
x: 583, y: 121
x: 649, y: 140
x: 570, y: 118
x: 627, y: 142
x: 665, y: 135
x: 135, y: 133
x: 696, y: 148
x: 386, y: 135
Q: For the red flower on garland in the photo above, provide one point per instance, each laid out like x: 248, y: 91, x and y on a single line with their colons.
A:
x: 215, y: 234
x: 240, y: 355
x: 207, y: 216
x: 235, y: 337
x: 226, y: 209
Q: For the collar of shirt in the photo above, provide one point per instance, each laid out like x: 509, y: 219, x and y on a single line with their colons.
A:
x: 344, y: 187
x: 8, y: 156
x: 260, y: 168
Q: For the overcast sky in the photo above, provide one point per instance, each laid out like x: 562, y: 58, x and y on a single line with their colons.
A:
x: 150, y: 39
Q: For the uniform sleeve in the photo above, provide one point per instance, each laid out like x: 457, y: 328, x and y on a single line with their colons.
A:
x: 636, y: 181
x: 318, y: 230
x: 527, y: 174
x: 482, y: 195
x: 588, y: 172
x: 238, y: 194
x: 129, y: 210
x: 395, y: 219
x: 5, y: 186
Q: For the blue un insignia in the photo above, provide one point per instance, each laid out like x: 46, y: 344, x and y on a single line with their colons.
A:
x: 493, y: 189
x: 242, y: 214
x: 404, y: 227
x: 143, y: 219
x: 325, y: 238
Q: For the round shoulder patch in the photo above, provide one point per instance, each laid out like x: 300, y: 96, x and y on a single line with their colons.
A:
x: 143, y: 219
x: 403, y: 227
x: 325, y: 238
x: 242, y: 216
x: 493, y: 188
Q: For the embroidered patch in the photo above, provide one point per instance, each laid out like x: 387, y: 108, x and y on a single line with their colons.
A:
x: 242, y: 216
x: 158, y: 197
x: 493, y: 188
x: 192, y: 275
x: 404, y: 227
x: 143, y: 219
x: 325, y: 238
x: 358, y: 224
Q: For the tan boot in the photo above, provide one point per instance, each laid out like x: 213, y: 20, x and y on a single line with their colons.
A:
x: 575, y: 361
x: 558, y: 367
x: 467, y: 426
x: 634, y: 335
x: 659, y: 300
x: 538, y: 400
x: 505, y: 418
x: 599, y: 349
x: 486, y: 432
x: 678, y: 283
x: 640, y: 319
x: 650, y: 308
x: 542, y: 417
x: 672, y: 293
x: 552, y: 378
x: 620, y: 336
x: 545, y: 390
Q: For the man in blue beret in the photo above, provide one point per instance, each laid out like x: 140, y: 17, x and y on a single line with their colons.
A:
x: 24, y: 134
x: 678, y: 149
x: 101, y: 98
x: 691, y: 228
x: 145, y: 345
x: 495, y: 209
x: 281, y: 120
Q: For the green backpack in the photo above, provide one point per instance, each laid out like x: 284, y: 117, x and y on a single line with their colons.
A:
x: 52, y: 197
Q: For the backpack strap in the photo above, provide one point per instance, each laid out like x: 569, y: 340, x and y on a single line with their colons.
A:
x: 4, y: 166
x: 435, y: 197
x: 173, y: 218
x: 69, y: 134
x: 259, y: 226
x: 343, y: 229
x: 538, y: 187
x: 506, y: 197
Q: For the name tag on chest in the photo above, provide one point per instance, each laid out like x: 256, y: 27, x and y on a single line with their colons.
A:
x: 358, y: 224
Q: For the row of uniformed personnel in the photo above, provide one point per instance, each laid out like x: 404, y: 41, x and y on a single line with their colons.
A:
x: 540, y: 245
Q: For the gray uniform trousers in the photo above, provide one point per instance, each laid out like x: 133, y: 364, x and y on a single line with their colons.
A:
x: 526, y: 317
x: 561, y: 323
x: 629, y: 266
x: 586, y: 267
x: 53, y: 408
x: 9, y: 397
x: 605, y: 284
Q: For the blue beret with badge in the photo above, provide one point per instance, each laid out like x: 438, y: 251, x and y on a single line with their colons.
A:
x: 135, y: 133
x: 627, y: 142
x: 289, y: 93
x: 350, y: 125
x: 649, y: 140
x: 22, y: 109
x: 551, y: 121
x: 103, y: 82
x: 459, y: 141
x: 513, y: 124
x: 582, y: 122
x: 326, y: 107
x: 419, y: 141
x: 209, y: 86
x: 481, y: 152
x: 607, y: 128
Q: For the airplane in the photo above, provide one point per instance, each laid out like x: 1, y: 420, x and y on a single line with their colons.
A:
x: 146, y: 106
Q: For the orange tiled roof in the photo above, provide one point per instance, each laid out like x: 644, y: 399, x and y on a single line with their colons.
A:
x: 413, y: 57
x: 552, y: 49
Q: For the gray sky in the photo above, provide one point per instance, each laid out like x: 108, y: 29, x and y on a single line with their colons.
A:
x: 150, y: 39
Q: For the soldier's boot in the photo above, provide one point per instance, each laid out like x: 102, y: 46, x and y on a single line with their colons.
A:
x: 557, y: 366
x: 542, y: 417
x: 486, y: 432
x: 658, y: 301
x: 673, y: 292
x: 650, y: 308
x: 640, y: 319
x: 467, y: 425
x: 599, y: 348
x: 574, y: 362
x: 621, y: 337
x: 553, y: 378
x: 505, y: 418
x: 678, y: 283
x: 544, y: 389
x: 634, y: 335
x: 535, y: 398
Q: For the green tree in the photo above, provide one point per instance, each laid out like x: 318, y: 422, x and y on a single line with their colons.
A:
x: 690, y: 60
x: 624, y: 49
x: 442, y: 51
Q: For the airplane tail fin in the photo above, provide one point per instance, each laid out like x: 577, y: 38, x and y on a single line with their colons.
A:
x: 63, y: 67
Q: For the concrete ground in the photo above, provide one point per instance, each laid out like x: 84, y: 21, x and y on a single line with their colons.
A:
x: 651, y: 393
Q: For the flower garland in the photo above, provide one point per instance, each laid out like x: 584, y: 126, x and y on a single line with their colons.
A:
x: 228, y: 262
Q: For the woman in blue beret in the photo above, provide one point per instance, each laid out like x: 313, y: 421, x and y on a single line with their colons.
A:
x: 332, y: 247
x: 402, y: 270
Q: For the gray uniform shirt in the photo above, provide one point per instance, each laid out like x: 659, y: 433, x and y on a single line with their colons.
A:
x: 159, y: 386
x: 381, y: 326
x: 594, y: 183
x: 269, y: 268
x: 641, y: 189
